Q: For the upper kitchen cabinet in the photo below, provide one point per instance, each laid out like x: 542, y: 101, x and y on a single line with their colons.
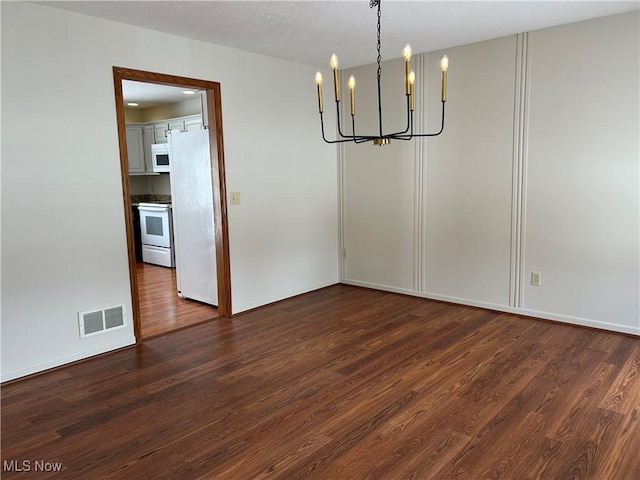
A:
x: 135, y: 149
x: 193, y: 123
x: 149, y: 139
x: 161, y: 129
x: 140, y: 137
x: 188, y: 123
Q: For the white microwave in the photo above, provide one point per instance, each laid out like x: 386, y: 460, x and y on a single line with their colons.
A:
x: 160, y: 157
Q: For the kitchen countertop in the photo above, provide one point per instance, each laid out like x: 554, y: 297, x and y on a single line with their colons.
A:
x: 149, y: 198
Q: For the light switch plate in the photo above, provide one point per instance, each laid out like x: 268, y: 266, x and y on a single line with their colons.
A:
x: 536, y: 279
x: 235, y: 198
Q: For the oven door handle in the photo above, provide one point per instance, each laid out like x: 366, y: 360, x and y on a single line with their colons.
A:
x: 153, y: 209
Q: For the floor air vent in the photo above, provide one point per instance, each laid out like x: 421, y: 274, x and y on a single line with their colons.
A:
x: 93, y: 322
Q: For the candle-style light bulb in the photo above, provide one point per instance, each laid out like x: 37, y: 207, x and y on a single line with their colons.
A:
x: 412, y: 81
x: 319, y: 83
x: 407, y: 66
x: 333, y: 62
x: 352, y: 94
x: 407, y: 52
x: 444, y: 65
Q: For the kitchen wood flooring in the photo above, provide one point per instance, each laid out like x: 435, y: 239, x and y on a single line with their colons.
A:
x: 343, y: 383
x: 161, y: 310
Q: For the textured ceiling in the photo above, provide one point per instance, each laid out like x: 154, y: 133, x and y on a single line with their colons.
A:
x: 309, y: 31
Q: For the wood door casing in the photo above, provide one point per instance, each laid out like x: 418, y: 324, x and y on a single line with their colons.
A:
x: 216, y: 144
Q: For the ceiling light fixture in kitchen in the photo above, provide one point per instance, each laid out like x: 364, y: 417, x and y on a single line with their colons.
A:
x: 410, y: 77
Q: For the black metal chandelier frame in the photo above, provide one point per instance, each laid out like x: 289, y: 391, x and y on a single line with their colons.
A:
x: 381, y: 138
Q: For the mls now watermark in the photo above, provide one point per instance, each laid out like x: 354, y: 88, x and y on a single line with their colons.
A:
x: 30, y: 466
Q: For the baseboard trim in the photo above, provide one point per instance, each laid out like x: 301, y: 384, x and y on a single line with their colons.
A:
x: 584, y: 322
x: 80, y: 356
x: 286, y: 296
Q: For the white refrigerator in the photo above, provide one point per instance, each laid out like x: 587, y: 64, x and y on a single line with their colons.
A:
x: 193, y: 221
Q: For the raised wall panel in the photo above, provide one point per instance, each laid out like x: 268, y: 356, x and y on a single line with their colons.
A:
x: 468, y: 174
x: 537, y: 171
x: 582, y: 196
x: 378, y: 184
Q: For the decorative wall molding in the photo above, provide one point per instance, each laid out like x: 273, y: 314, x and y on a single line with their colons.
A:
x: 520, y: 138
x: 512, y: 186
x: 420, y: 167
x: 342, y: 214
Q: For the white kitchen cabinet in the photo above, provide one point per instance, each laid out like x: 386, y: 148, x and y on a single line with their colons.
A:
x: 160, y: 132
x: 140, y: 138
x: 184, y: 124
x: 149, y: 139
x: 156, y: 132
x: 176, y: 124
x: 193, y: 123
x: 135, y: 149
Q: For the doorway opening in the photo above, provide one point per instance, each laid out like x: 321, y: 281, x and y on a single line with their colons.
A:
x: 212, y: 111
x: 161, y: 309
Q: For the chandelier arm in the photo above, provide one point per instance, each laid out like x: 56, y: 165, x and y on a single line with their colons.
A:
x: 340, y: 134
x: 350, y: 139
x: 363, y: 139
x: 439, y: 131
x: 323, y: 135
x: 359, y: 138
x: 394, y: 136
x: 322, y: 128
x: 347, y: 139
x: 353, y: 127
x: 409, y: 124
x: 403, y: 136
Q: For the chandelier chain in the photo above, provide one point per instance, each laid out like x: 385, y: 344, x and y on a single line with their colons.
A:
x: 377, y: 3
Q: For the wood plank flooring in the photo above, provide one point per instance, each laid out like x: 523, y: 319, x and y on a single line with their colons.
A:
x: 161, y: 310
x: 341, y: 383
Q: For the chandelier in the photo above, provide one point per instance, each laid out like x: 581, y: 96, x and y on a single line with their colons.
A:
x: 410, y: 78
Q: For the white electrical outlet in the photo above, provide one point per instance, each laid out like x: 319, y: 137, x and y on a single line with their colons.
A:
x: 536, y: 279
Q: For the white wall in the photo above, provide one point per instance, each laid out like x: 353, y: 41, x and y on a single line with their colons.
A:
x: 63, y: 232
x: 537, y: 170
x: 583, y: 170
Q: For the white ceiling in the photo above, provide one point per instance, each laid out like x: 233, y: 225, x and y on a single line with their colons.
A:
x: 309, y: 31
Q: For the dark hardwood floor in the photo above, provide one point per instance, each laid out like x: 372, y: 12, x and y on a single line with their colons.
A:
x: 161, y: 310
x: 341, y: 383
